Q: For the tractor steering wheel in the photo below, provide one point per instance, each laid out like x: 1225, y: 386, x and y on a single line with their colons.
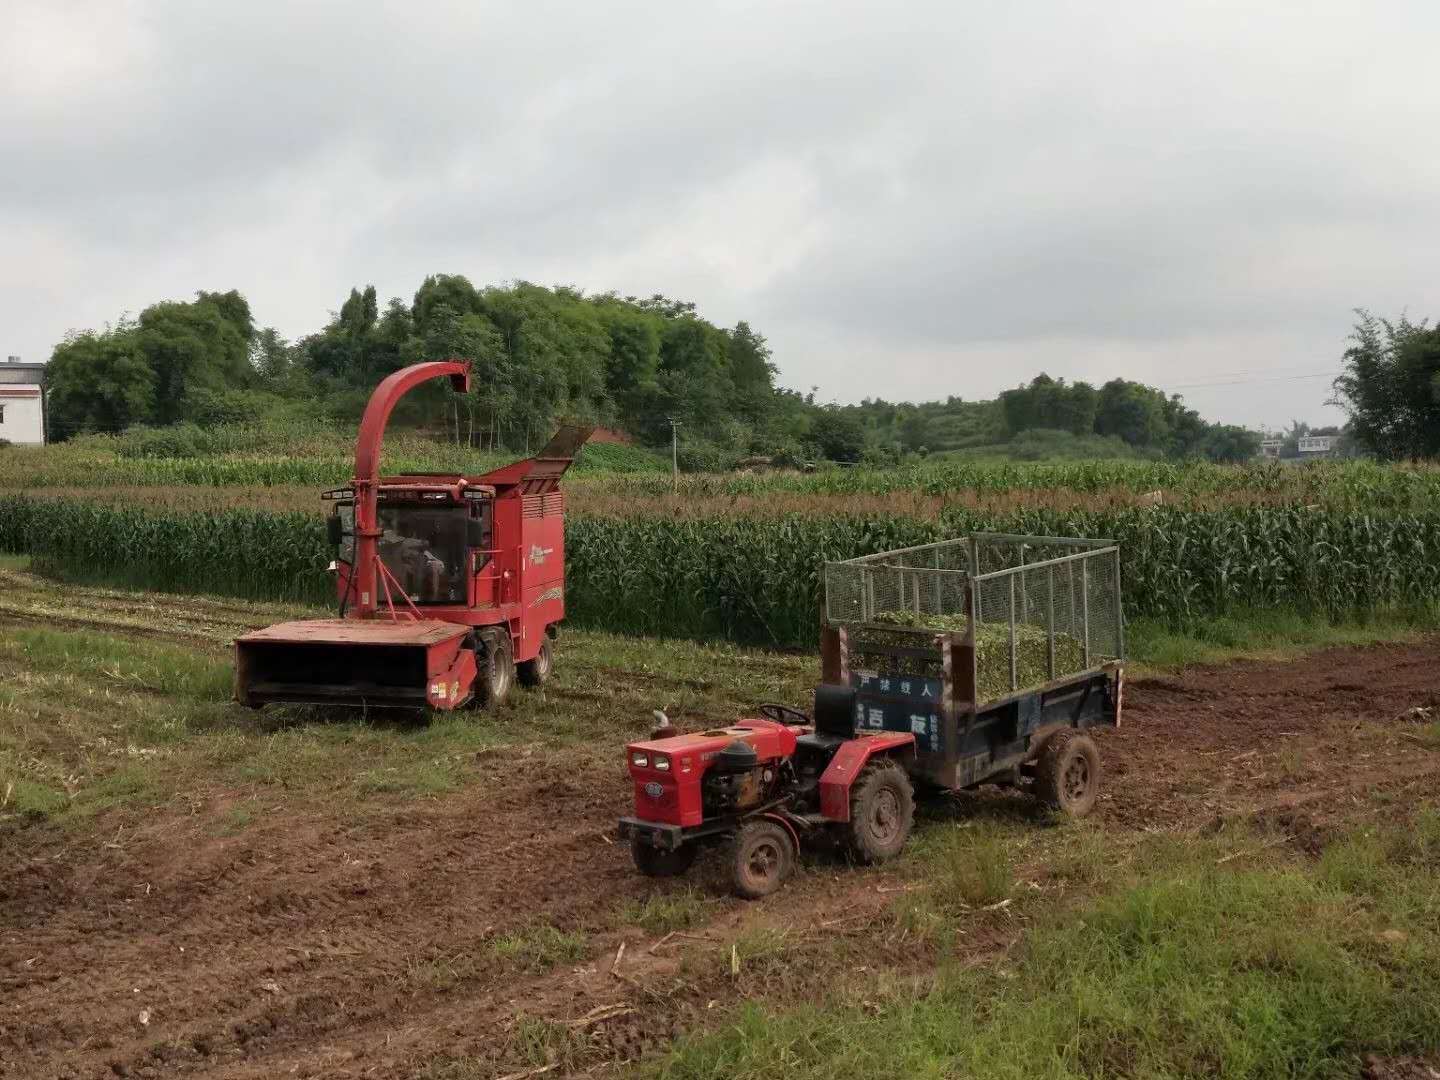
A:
x: 782, y: 714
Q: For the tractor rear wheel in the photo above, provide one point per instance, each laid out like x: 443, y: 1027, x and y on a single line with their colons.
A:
x: 1067, y: 773
x: 494, y: 670
x: 882, y: 809
x: 657, y: 862
x: 535, y: 672
x: 761, y: 858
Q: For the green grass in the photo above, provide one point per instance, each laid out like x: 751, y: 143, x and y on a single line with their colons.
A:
x: 28, y: 798
x: 674, y: 908
x: 539, y: 948
x: 1269, y: 634
x: 1181, y: 967
x: 126, y: 663
x: 965, y: 867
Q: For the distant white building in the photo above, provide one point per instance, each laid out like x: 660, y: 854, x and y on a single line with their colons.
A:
x: 1317, y: 444
x: 22, y: 402
x: 1271, y: 447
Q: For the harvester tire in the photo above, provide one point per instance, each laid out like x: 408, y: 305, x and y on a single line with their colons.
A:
x: 882, y: 809
x: 535, y: 672
x: 1067, y: 773
x: 762, y: 857
x: 654, y: 862
x: 494, y: 671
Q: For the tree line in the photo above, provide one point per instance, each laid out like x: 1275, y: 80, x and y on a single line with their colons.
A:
x: 538, y: 355
x: 1140, y: 416
x: 543, y: 354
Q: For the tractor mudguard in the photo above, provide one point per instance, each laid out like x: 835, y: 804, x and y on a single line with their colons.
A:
x: 853, y: 755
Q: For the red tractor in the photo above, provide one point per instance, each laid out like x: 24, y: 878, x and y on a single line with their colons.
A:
x: 985, y: 660
x: 448, y: 586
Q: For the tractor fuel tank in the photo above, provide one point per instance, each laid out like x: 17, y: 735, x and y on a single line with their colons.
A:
x: 361, y: 662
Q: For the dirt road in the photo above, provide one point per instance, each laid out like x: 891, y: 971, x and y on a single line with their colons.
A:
x: 348, y: 946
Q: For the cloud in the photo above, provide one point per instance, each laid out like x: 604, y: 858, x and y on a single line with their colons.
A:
x: 951, y: 196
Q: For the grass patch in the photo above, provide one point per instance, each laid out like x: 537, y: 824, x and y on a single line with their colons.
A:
x: 236, y: 819
x: 966, y: 867
x: 1270, y: 634
x: 539, y: 1042
x: 666, y: 912
x: 29, y: 799
x: 124, y: 663
x: 1183, y: 968
x: 539, y: 948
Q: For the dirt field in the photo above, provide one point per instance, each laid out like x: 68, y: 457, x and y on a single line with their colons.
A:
x: 410, y: 939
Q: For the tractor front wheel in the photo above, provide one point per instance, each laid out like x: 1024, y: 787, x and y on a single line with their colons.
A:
x: 1067, y: 773
x: 535, y: 672
x: 494, y: 670
x: 761, y: 858
x: 882, y: 809
x: 656, y: 862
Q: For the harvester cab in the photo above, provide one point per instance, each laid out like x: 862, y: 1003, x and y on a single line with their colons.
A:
x: 448, y: 587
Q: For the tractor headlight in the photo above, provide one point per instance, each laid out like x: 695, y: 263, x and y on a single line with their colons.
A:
x: 662, y: 763
x: 640, y: 760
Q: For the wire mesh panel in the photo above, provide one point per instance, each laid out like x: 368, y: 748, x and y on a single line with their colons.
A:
x: 910, y: 586
x: 1044, y: 608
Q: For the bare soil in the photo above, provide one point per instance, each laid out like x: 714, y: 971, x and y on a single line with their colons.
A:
x: 318, y: 944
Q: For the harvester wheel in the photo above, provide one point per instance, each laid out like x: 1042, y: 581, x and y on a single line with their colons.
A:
x: 495, y: 671
x: 1067, y: 773
x: 535, y: 672
x: 882, y: 809
x: 761, y: 858
x: 654, y: 862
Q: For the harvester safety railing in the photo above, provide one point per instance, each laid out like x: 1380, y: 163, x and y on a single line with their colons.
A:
x: 1040, y: 608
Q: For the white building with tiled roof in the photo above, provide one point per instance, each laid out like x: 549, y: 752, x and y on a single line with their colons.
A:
x: 22, y: 401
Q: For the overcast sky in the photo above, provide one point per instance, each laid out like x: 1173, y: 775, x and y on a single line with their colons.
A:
x: 910, y: 200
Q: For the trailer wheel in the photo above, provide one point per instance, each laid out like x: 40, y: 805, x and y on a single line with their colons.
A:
x: 1067, y: 773
x: 535, y: 672
x: 656, y: 862
x: 761, y: 858
x: 882, y: 809
x: 495, y: 671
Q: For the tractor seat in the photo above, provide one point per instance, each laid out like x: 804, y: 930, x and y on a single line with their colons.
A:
x: 834, y: 712
x: 824, y: 745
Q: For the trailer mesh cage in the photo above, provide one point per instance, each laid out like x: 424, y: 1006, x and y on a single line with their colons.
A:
x: 1040, y: 608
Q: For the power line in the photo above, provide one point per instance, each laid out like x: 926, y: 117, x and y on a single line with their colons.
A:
x: 1243, y: 382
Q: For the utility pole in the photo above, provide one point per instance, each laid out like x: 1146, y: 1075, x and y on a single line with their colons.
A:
x: 674, y: 456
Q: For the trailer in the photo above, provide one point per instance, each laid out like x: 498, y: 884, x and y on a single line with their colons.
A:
x: 987, y: 659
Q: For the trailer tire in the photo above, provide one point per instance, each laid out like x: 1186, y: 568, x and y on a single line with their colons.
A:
x: 1067, y: 773
x: 762, y: 857
x: 494, y: 670
x: 657, y: 862
x: 882, y: 809
x: 535, y: 672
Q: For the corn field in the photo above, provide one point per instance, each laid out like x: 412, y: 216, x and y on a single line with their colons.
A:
x: 624, y: 475
x: 757, y: 578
